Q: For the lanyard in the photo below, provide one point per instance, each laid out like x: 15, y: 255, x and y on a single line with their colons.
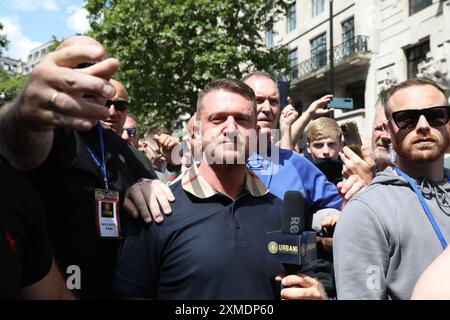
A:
x: 102, y: 165
x: 425, y: 207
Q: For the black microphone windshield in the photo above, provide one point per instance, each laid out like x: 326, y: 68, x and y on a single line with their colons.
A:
x: 293, y: 213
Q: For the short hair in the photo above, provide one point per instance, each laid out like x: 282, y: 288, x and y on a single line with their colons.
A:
x: 413, y: 82
x: 258, y: 73
x: 323, y: 128
x: 151, y: 132
x: 132, y: 116
x: 227, y: 84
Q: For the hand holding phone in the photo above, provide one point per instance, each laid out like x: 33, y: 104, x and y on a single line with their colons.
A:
x: 341, y: 103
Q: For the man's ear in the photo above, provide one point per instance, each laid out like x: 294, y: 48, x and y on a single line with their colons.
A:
x: 197, y: 141
x: 307, y: 147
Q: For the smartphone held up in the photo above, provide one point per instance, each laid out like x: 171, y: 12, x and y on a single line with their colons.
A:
x: 352, y: 138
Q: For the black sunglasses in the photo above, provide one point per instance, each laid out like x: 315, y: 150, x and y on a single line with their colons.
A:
x: 132, y: 132
x: 436, y: 117
x: 120, y: 105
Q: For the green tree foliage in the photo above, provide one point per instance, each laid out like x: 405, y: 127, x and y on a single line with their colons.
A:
x: 12, y: 85
x: 170, y: 49
x: 3, y: 40
x: 55, y: 43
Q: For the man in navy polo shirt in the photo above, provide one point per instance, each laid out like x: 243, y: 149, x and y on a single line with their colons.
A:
x: 213, y: 246
x: 280, y: 170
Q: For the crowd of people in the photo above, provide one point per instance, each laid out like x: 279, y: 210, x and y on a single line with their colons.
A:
x: 96, y: 209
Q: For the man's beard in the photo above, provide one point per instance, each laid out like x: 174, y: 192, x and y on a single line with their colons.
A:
x: 381, y: 154
x: 413, y: 153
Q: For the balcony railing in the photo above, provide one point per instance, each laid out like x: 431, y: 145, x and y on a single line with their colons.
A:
x: 356, y: 45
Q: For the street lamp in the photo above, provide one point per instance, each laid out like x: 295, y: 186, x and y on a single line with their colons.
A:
x: 331, y: 77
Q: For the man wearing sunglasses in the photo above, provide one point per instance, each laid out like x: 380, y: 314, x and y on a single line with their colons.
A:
x: 117, y: 107
x: 80, y: 168
x: 130, y: 132
x: 390, y: 232
x: 118, y: 122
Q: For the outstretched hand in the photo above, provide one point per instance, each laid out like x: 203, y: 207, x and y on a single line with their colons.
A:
x: 319, y: 108
x: 58, y: 95
x: 354, y: 165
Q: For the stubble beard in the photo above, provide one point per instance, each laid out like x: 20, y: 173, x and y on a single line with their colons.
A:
x: 414, y: 153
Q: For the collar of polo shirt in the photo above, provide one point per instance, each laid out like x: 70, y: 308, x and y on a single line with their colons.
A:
x: 195, y: 184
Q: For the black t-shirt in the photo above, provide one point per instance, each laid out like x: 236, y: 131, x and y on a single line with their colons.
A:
x: 332, y: 169
x: 25, y: 254
x: 210, y: 248
x: 66, y: 182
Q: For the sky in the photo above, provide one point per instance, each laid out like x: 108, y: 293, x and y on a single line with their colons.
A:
x: 30, y: 23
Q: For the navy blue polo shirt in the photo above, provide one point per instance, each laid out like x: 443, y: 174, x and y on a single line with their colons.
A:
x: 211, y: 247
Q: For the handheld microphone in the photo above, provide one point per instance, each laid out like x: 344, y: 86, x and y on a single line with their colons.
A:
x: 292, y: 245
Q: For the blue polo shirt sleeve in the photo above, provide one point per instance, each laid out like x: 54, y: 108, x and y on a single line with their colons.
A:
x: 313, y: 184
x: 137, y: 269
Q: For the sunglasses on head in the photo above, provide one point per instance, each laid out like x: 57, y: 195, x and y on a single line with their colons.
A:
x: 132, y: 132
x: 120, y: 105
x: 436, y: 117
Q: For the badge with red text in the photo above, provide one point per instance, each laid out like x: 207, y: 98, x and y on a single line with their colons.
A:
x: 107, y: 207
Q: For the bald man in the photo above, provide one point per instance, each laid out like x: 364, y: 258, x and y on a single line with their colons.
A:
x: 61, y: 132
x: 118, y: 109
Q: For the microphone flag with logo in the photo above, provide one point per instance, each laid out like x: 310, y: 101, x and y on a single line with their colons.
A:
x: 292, y: 245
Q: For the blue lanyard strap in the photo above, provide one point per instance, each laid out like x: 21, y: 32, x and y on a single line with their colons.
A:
x: 425, y: 207
x: 102, y: 165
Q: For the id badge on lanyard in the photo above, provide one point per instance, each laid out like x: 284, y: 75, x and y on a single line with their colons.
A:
x: 107, y: 213
x: 106, y: 201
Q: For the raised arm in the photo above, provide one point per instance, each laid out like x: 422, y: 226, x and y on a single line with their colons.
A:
x: 317, y: 109
x: 56, y: 95
x: 287, y: 118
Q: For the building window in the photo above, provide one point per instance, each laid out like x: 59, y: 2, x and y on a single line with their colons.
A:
x: 348, y: 37
x: 293, y: 63
x: 291, y: 17
x: 318, y: 7
x: 356, y: 91
x: 415, y: 56
x: 319, y: 51
x: 269, y: 34
x: 418, y: 5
